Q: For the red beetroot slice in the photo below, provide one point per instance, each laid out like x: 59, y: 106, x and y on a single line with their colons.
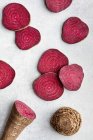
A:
x: 51, y: 61
x: 74, y: 30
x: 15, y: 16
x: 57, y: 5
x: 71, y: 76
x: 7, y: 74
x: 27, y: 38
x: 48, y: 87
x: 24, y: 110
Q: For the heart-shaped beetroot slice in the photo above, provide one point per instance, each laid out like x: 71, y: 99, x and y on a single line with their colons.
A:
x: 7, y: 74
x: 51, y: 61
x: 74, y: 30
x: 57, y: 5
x: 71, y: 76
x: 15, y: 16
x: 27, y: 38
x: 48, y: 87
x: 24, y: 110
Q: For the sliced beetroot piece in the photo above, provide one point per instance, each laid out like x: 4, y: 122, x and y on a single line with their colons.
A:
x: 74, y: 30
x: 57, y: 5
x: 7, y: 74
x: 71, y: 76
x: 48, y: 87
x: 27, y: 38
x: 24, y: 110
x: 15, y: 16
x: 51, y: 61
x: 20, y: 117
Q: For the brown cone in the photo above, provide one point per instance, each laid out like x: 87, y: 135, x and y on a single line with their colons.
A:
x: 15, y: 125
x: 66, y: 121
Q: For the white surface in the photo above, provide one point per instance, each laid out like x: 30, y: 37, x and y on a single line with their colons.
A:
x: 25, y: 63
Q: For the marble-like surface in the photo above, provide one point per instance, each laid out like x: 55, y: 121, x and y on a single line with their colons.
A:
x: 25, y: 64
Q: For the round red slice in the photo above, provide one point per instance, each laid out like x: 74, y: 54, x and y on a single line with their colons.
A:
x: 24, y: 110
x: 74, y: 30
x: 48, y: 87
x: 27, y: 38
x: 15, y: 16
x: 7, y: 74
x: 57, y: 5
x: 51, y: 61
x: 71, y: 76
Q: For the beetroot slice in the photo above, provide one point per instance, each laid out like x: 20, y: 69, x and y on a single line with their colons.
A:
x: 7, y: 74
x: 51, y: 61
x: 27, y: 38
x: 71, y: 76
x: 48, y: 87
x: 74, y: 30
x: 24, y: 110
x: 57, y: 5
x: 15, y: 16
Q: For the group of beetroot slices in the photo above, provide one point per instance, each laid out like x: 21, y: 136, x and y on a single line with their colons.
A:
x: 74, y: 29
x: 56, y: 73
x: 16, y: 17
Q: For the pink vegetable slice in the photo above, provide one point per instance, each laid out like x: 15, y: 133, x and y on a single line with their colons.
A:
x: 27, y: 38
x: 7, y: 74
x: 15, y: 16
x: 71, y: 76
x: 51, y: 61
x: 24, y: 110
x: 48, y: 87
x: 74, y: 30
x: 57, y: 5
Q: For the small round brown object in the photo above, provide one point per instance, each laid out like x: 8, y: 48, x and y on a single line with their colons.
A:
x: 66, y: 121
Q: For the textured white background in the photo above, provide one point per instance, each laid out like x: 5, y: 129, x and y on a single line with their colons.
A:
x: 25, y: 63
